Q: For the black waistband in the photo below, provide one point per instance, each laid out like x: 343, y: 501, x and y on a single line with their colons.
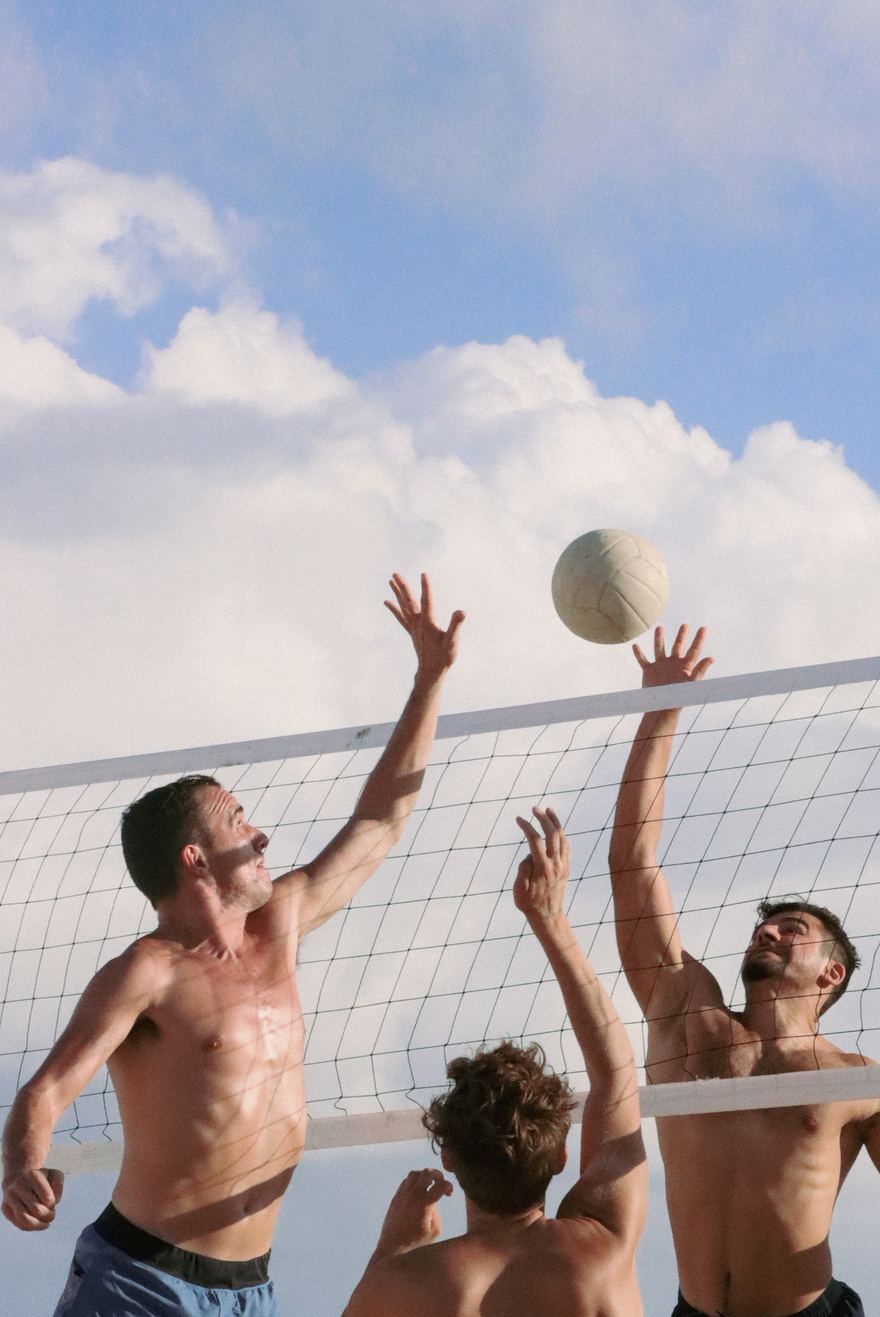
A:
x: 824, y: 1306
x: 195, y: 1268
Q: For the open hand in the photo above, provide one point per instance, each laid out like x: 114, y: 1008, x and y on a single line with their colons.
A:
x: 435, y: 648
x: 29, y: 1200
x: 412, y: 1218
x: 542, y: 875
x: 679, y: 664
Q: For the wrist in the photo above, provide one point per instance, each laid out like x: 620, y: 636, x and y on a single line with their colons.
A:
x: 428, y: 680
x: 553, y: 927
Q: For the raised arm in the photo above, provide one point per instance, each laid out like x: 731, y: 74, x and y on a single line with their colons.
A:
x: 659, y: 972
x: 103, y: 1017
x: 327, y: 883
x: 613, y: 1184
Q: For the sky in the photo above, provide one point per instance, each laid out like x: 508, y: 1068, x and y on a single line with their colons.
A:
x: 296, y: 295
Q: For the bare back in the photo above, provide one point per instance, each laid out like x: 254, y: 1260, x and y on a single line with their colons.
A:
x: 210, y: 1089
x: 570, y: 1268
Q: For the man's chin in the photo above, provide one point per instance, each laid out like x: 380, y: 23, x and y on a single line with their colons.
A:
x: 759, y: 970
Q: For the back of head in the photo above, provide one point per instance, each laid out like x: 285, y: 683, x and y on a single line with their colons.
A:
x: 155, y: 829
x: 502, y: 1125
x: 843, y: 946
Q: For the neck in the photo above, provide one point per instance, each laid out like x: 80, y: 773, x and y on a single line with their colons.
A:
x: 481, y: 1222
x: 196, y: 918
x: 775, y: 1017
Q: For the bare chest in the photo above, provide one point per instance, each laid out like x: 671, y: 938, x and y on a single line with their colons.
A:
x: 225, y: 1019
x: 718, y: 1046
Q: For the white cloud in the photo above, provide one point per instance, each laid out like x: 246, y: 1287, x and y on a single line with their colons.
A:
x: 37, y: 373
x: 71, y: 232
x: 185, y: 573
x: 241, y: 354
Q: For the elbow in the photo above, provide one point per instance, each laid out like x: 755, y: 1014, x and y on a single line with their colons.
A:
x: 625, y: 857
x: 36, y: 1102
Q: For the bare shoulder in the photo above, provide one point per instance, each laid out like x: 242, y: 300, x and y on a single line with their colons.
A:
x: 582, y: 1232
x: 402, y: 1285
x: 831, y: 1057
x: 146, y: 966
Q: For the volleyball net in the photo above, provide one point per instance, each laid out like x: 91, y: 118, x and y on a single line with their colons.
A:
x: 773, y: 791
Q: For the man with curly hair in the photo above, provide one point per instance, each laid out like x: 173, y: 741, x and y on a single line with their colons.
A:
x: 501, y: 1129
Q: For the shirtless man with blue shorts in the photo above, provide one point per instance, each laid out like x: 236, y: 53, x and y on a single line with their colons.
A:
x: 202, y: 1031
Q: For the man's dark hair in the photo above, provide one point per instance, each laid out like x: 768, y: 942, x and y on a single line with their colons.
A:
x: 503, y: 1125
x: 842, y: 944
x: 155, y: 829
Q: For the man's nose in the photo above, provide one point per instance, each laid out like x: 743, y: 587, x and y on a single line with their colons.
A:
x: 261, y: 841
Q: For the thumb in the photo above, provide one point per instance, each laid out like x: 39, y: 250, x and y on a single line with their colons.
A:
x: 56, y: 1183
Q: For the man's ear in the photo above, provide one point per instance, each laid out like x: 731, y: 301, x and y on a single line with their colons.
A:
x: 563, y: 1158
x: 832, y: 975
x: 193, y: 859
x: 444, y: 1160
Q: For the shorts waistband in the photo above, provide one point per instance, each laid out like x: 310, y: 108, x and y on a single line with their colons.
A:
x: 194, y: 1268
x: 822, y: 1307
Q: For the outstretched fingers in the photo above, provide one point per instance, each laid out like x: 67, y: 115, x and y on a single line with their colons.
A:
x: 680, y: 641
x: 405, y: 608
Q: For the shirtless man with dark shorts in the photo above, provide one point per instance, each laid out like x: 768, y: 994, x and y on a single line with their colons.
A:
x: 501, y: 1129
x: 202, y: 1031
x: 750, y: 1193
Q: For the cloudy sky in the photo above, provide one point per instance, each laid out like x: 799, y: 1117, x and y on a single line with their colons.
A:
x: 293, y: 295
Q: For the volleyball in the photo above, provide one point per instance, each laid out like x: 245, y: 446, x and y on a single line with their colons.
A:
x: 609, y: 586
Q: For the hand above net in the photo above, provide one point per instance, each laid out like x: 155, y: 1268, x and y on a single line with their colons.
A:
x: 435, y: 648
x: 543, y: 874
x: 679, y: 664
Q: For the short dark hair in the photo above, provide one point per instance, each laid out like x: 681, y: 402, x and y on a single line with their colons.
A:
x: 503, y: 1125
x: 851, y: 960
x: 155, y: 829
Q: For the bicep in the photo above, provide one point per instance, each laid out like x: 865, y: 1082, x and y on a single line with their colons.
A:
x: 613, y: 1192
x: 665, y: 979
x: 101, y: 1020
x: 330, y: 880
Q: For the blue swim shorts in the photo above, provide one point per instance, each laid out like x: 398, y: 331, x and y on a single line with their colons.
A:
x: 119, y: 1270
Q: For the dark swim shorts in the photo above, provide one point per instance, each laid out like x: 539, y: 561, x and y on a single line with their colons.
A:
x: 119, y: 1270
x: 837, y: 1301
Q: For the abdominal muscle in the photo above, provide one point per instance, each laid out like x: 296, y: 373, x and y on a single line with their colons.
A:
x: 214, y: 1122
x: 750, y: 1197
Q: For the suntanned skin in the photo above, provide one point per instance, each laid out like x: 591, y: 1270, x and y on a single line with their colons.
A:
x: 582, y: 1264
x: 200, y: 1023
x: 750, y: 1193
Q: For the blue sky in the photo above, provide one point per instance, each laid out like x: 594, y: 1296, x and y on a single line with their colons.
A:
x: 686, y: 196
x: 293, y: 295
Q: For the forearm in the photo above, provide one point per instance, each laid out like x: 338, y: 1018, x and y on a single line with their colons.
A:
x: 638, y: 818
x: 606, y: 1049
x: 27, y: 1135
x: 391, y: 789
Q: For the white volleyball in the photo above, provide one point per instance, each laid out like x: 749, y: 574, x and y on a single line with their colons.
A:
x: 609, y: 586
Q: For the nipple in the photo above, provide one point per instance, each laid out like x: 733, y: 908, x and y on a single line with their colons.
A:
x: 211, y: 1044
